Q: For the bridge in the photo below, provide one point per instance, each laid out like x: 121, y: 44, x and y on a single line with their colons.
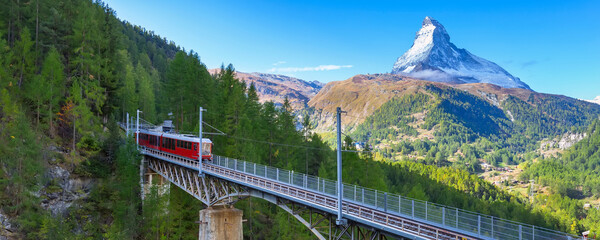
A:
x: 313, y: 201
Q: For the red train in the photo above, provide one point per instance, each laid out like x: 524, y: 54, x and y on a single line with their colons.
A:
x: 181, y: 144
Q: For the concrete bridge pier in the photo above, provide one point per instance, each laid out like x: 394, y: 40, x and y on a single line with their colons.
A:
x: 221, y: 223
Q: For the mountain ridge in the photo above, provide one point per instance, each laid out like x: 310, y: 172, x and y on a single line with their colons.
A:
x: 361, y: 95
x: 276, y: 87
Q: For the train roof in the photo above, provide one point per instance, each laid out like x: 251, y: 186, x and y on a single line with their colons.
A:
x: 184, y: 137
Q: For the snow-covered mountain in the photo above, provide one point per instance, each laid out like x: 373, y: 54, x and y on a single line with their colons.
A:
x: 433, y: 57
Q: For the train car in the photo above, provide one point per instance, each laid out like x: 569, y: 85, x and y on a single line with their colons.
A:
x: 186, y: 145
x: 150, y: 139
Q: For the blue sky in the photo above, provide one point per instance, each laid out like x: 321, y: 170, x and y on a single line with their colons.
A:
x: 554, y: 46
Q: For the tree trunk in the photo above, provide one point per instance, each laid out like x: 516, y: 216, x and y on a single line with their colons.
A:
x: 8, y: 36
x: 38, y: 114
x: 51, y: 103
x: 22, y: 70
x: 73, y: 137
x: 37, y: 27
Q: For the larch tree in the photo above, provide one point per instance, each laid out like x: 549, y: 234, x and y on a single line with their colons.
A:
x: 145, y: 93
x: 53, y: 72
x: 23, y: 58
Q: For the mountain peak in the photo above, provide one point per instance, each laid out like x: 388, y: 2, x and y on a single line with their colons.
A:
x: 433, y: 57
x: 433, y: 30
x: 427, y: 20
x: 430, y: 21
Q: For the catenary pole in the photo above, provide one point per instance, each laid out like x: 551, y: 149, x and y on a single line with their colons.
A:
x: 127, y: 126
x: 339, y: 220
x: 137, y: 129
x: 200, y: 173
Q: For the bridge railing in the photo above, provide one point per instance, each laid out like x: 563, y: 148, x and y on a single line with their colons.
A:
x: 436, y: 214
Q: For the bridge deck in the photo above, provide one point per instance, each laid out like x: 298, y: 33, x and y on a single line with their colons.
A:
x: 388, y: 212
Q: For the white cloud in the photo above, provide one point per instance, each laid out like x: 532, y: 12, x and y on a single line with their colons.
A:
x: 310, y: 69
x: 595, y: 100
x: 279, y: 63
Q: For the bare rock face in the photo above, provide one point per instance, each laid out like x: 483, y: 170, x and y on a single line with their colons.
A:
x: 7, y: 230
x: 563, y: 142
x: 63, y: 190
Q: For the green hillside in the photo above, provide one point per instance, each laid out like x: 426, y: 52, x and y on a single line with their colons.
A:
x: 461, y: 126
x: 577, y: 172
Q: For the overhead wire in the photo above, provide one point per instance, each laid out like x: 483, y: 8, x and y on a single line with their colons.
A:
x: 258, y: 141
x: 221, y: 133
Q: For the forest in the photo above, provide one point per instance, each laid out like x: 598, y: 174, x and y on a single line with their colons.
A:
x: 70, y: 69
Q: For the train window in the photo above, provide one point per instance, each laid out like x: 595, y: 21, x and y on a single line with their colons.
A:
x: 189, y: 145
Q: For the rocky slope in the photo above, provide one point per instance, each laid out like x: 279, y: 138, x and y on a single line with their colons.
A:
x: 433, y: 57
x: 275, y: 88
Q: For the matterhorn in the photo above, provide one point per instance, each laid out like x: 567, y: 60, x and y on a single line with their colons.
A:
x: 433, y: 57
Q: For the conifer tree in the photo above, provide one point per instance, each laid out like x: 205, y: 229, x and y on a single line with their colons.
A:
x: 23, y: 58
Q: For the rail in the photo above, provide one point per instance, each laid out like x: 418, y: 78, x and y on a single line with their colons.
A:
x: 451, y: 218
